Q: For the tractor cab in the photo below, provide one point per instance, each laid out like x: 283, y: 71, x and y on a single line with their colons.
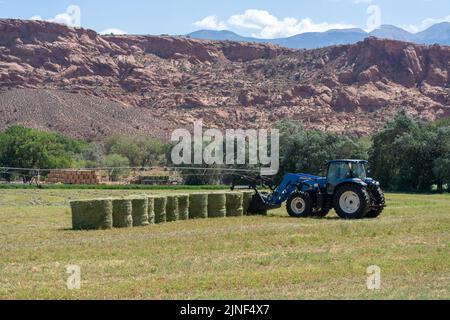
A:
x: 344, y: 171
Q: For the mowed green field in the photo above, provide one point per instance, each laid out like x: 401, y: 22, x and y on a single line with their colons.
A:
x: 274, y: 257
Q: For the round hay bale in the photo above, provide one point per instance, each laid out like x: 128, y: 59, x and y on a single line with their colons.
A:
x: 183, y: 206
x: 234, y: 204
x: 92, y: 214
x: 151, y: 210
x: 198, y: 206
x: 172, y: 208
x: 139, y: 206
x: 122, y: 213
x: 160, y: 209
x: 247, y: 199
x: 217, y: 205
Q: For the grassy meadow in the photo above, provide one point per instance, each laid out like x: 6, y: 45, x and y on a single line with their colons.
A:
x: 274, y: 257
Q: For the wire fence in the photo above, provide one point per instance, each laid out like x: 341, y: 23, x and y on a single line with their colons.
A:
x: 118, y: 175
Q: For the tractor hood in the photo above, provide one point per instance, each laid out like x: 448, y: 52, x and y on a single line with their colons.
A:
x: 304, y: 176
x: 313, y: 181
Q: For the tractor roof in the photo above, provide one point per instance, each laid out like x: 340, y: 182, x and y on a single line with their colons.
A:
x: 347, y: 160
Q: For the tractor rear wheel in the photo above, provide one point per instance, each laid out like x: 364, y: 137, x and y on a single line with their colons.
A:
x: 299, y: 205
x: 352, y: 201
x: 379, y: 201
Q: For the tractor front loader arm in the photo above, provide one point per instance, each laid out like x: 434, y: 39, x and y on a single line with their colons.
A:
x: 250, y: 182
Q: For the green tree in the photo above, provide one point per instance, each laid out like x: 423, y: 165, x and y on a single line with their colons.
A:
x: 440, y: 147
x: 441, y: 169
x: 118, y: 166
x: 22, y: 147
x: 405, y: 154
x: 307, y: 151
x: 141, y: 151
x: 90, y: 156
x: 385, y: 159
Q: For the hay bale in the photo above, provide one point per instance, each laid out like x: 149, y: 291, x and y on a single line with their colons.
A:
x: 234, y: 204
x: 151, y: 210
x: 198, y: 206
x: 183, y: 206
x: 122, y: 213
x: 139, y: 206
x: 247, y: 199
x: 160, y: 204
x: 172, y: 208
x: 217, y: 205
x: 92, y: 214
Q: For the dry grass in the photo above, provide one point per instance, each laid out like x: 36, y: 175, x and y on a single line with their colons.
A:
x: 270, y: 257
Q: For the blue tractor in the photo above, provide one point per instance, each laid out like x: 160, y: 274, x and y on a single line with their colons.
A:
x: 346, y: 189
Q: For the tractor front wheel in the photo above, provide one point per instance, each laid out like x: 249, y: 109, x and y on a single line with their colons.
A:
x: 300, y: 205
x: 352, y: 201
x: 379, y: 202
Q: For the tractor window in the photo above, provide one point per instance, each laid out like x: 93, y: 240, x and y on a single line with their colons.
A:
x: 359, y: 171
x: 337, y: 172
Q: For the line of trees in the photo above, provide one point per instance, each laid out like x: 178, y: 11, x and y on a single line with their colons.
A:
x: 27, y: 148
x: 404, y: 155
x: 22, y: 147
x: 306, y: 151
x: 408, y: 155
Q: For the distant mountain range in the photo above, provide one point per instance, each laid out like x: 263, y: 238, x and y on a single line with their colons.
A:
x: 436, y: 34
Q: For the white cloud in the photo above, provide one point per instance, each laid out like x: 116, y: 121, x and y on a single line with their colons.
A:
x: 114, y: 31
x: 425, y: 24
x: 269, y: 26
x: 253, y: 19
x: 211, y: 23
x: 63, y: 18
x: 362, y: 1
x: 71, y: 18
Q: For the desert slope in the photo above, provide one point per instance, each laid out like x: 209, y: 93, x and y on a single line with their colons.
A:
x: 76, y: 115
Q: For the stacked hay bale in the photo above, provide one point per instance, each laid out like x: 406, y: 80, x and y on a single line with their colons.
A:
x: 92, y: 214
x: 172, y: 209
x: 140, y: 210
x: 234, y: 204
x: 198, y: 206
x: 74, y: 177
x: 122, y: 213
x: 247, y: 199
x: 217, y: 205
x: 160, y: 204
x: 144, y: 210
x: 151, y: 210
x: 183, y: 206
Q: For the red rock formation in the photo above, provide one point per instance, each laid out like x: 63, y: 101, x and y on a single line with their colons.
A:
x: 352, y: 88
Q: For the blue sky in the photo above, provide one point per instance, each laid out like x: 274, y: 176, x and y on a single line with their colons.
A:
x: 260, y: 18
